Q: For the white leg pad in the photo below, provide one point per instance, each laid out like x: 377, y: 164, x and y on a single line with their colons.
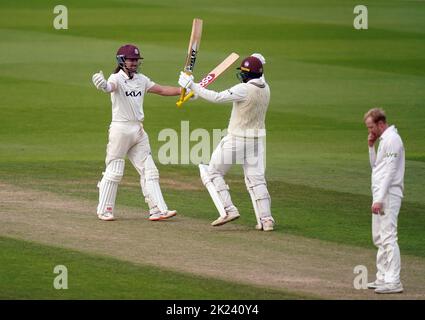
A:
x: 108, y: 186
x: 260, y: 197
x: 150, y: 187
x: 218, y: 190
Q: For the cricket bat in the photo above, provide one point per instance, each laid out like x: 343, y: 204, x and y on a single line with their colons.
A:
x: 192, y: 51
x: 214, y: 74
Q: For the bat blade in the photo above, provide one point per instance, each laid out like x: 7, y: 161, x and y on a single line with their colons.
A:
x: 218, y: 70
x: 194, y: 44
x: 213, y: 75
x: 192, y: 51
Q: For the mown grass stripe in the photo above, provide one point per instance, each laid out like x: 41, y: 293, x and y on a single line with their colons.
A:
x: 26, y: 272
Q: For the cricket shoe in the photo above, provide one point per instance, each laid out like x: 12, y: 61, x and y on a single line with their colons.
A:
x: 375, y: 284
x: 230, y: 216
x: 162, y: 215
x: 390, y: 288
x: 106, y: 216
x: 268, y: 225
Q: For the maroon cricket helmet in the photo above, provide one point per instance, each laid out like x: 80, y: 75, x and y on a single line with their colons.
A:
x: 127, y: 51
x: 251, y: 68
x: 251, y: 64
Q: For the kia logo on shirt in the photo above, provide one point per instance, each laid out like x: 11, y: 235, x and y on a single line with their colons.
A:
x: 133, y: 93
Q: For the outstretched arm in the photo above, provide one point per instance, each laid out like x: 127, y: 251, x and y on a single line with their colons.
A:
x: 165, y: 90
x: 236, y: 93
x: 229, y: 95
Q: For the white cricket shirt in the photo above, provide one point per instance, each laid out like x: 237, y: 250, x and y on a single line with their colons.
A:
x: 387, y: 166
x: 250, y: 103
x: 127, y: 99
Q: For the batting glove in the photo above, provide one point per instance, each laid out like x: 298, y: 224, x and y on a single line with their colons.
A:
x: 185, y: 80
x: 99, y: 81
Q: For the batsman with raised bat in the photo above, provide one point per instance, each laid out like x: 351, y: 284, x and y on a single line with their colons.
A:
x: 127, y: 136
x: 243, y: 143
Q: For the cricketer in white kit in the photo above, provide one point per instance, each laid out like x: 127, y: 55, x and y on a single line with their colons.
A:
x: 127, y: 136
x: 387, y: 190
x: 243, y: 144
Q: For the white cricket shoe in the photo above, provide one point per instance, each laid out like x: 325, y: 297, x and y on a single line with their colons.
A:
x: 268, y: 225
x: 106, y: 216
x: 390, y: 288
x: 233, y: 215
x: 375, y: 284
x: 162, y: 215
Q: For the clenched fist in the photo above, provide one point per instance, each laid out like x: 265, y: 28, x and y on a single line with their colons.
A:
x: 99, y: 81
x: 185, y: 80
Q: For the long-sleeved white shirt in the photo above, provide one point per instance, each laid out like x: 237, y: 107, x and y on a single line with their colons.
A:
x: 387, y: 166
x: 250, y: 103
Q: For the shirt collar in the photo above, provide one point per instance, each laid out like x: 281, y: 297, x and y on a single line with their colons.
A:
x: 123, y: 74
x: 259, y: 81
x: 387, y: 132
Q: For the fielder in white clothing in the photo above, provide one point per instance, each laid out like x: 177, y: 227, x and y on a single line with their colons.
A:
x: 387, y: 189
x: 127, y: 135
x: 243, y: 144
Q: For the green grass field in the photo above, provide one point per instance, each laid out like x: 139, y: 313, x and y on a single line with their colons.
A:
x: 324, y: 75
x: 29, y: 275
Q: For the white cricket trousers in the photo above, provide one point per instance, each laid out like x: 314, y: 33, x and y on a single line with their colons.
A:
x: 249, y: 152
x: 384, y: 233
x: 128, y: 138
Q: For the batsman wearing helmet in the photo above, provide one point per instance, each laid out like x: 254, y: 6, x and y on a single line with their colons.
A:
x: 127, y: 135
x: 243, y: 144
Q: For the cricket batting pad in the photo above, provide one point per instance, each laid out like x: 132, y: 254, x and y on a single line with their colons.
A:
x: 260, y: 197
x: 108, y: 186
x: 150, y: 187
x: 218, y: 190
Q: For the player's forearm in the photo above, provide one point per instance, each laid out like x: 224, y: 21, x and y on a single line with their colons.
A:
x: 170, y: 91
x: 165, y: 90
x: 372, y: 156
x: 213, y: 96
x: 109, y: 87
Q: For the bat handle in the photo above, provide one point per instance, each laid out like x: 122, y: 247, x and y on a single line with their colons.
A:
x: 187, y: 97
x: 182, y: 94
x: 180, y: 101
